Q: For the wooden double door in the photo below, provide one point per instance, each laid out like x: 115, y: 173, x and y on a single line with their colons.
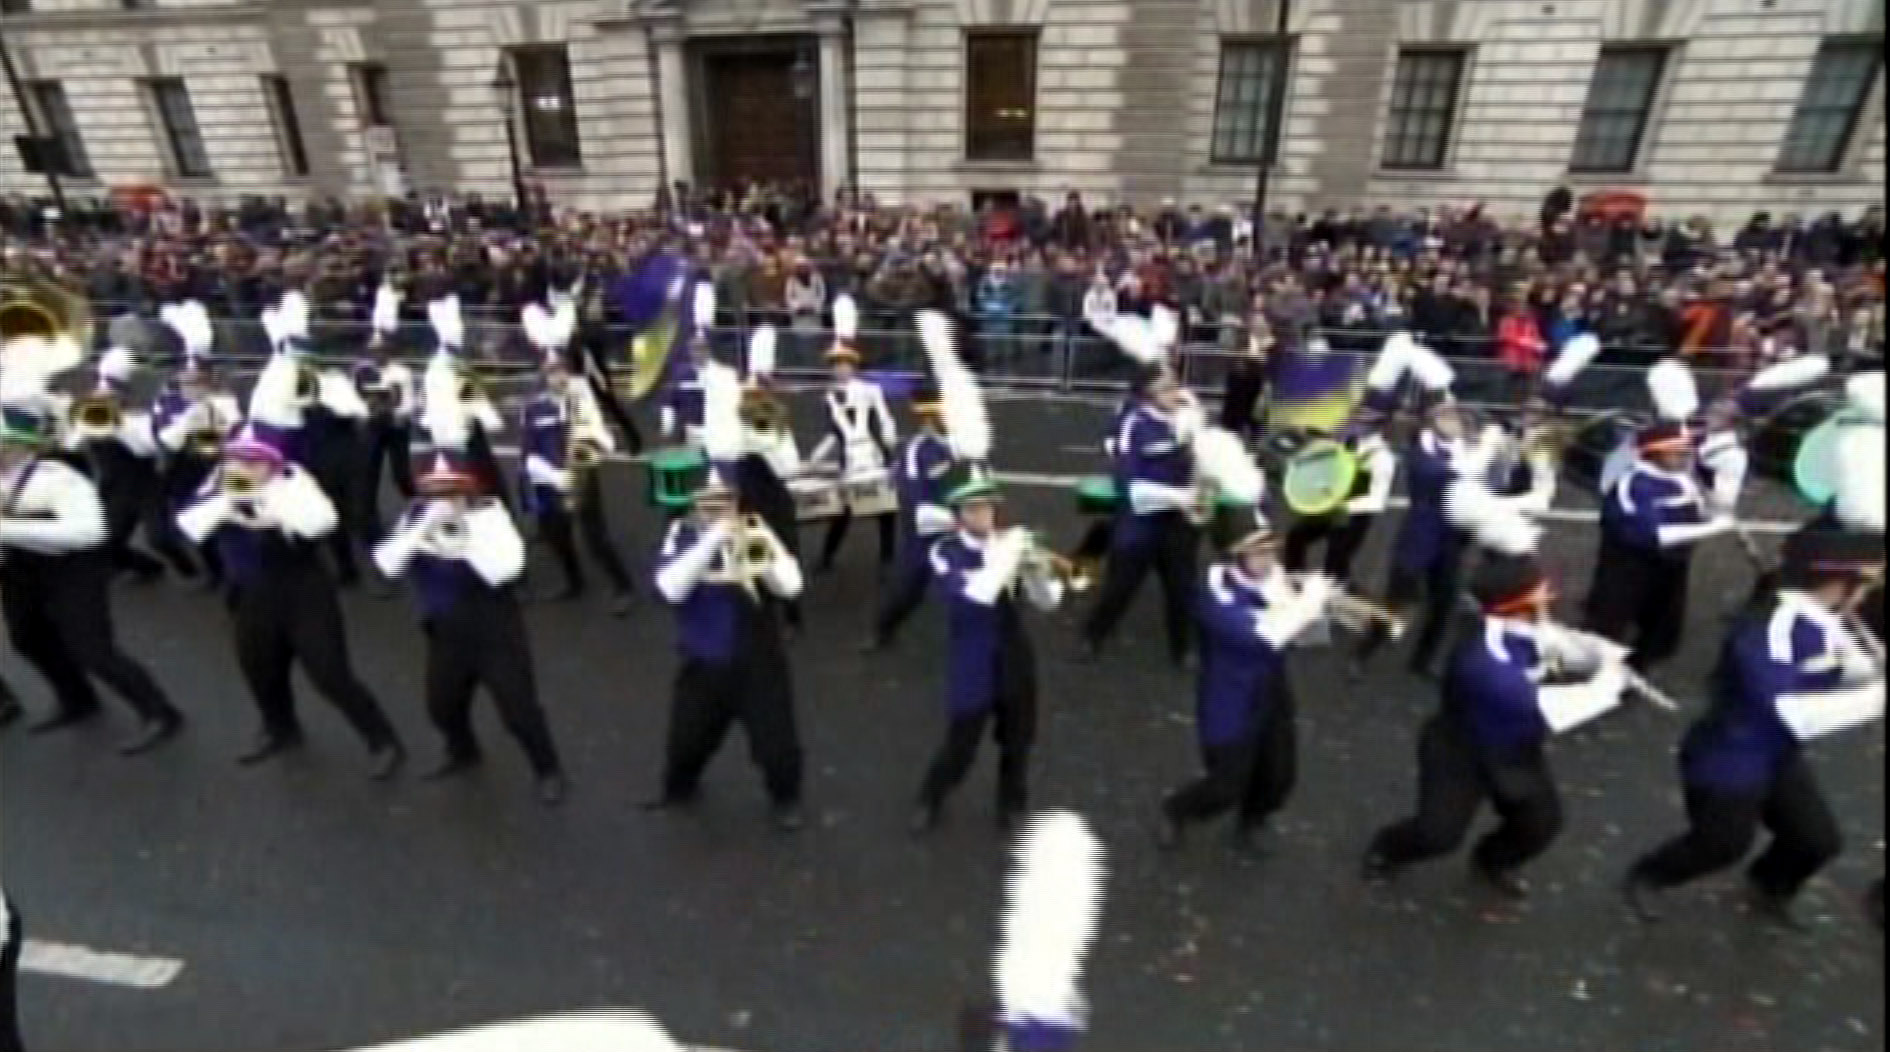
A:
x: 761, y: 116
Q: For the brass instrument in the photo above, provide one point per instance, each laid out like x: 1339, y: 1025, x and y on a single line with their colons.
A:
x: 472, y: 385
x: 96, y: 416
x: 582, y: 454
x: 763, y: 412
x: 308, y: 386
x: 31, y: 306
x: 206, y: 440
x: 749, y: 556
x: 1356, y: 612
x: 449, y: 536
x: 1043, y: 562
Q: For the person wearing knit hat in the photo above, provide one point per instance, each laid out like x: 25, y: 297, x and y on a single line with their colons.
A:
x: 268, y: 516
x: 920, y: 472
x: 565, y: 498
x: 991, y: 676
x: 1249, y: 613
x: 1651, y: 521
x: 860, y: 440
x: 1791, y: 671
x: 1487, y: 741
x: 464, y: 555
x: 55, y: 583
x: 1154, y: 473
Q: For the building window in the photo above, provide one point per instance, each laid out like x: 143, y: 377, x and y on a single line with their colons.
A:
x: 1620, y: 100
x: 370, y: 94
x: 550, y: 111
x: 58, y: 124
x: 1423, y: 105
x: 1243, y: 103
x: 287, y: 125
x: 183, y: 138
x: 1000, y: 96
x: 1829, y: 109
x: 16, y: 7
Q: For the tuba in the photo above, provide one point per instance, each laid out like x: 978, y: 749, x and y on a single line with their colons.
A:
x: 31, y: 306
x: 95, y: 417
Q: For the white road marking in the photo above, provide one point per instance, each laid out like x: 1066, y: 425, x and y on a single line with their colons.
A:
x: 69, y: 961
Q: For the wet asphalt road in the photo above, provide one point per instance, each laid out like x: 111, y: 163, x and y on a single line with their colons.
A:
x: 315, y: 910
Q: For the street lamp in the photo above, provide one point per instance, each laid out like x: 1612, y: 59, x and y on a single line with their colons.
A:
x: 1276, y: 114
x: 801, y: 77
x: 505, y: 93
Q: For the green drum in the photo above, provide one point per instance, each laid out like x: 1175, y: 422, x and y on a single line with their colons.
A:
x: 1097, y: 495
x: 675, y: 475
x: 1318, y: 477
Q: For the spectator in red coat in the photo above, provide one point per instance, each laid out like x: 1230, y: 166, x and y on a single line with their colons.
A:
x: 1520, y: 347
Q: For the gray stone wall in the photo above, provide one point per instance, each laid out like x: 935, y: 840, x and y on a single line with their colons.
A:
x: 1125, y: 94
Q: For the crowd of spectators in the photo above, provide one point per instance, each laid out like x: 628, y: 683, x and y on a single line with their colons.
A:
x: 1024, y: 274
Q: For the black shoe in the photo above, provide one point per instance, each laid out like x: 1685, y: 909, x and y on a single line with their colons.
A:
x: 620, y: 604
x: 62, y: 718
x: 385, y: 759
x: 787, y: 818
x: 667, y: 802
x: 1377, y: 869
x: 570, y: 593
x: 1774, y: 907
x: 267, y: 746
x: 1169, y: 834
x: 1504, y: 882
x: 147, y: 573
x: 451, y: 765
x: 1638, y: 892
x: 152, y: 733
x: 924, y: 819
x: 10, y: 710
x: 1246, y: 837
x: 550, y: 789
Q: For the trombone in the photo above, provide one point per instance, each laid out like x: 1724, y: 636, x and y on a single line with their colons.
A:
x: 1355, y: 612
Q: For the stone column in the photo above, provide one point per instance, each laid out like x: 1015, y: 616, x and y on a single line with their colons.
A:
x: 672, y: 86
x: 836, y: 130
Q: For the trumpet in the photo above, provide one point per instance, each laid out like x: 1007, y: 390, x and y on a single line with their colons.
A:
x: 750, y: 554
x: 308, y: 386
x: 1043, y: 562
x: 95, y: 416
x: 1356, y: 612
x: 449, y: 536
x: 206, y: 439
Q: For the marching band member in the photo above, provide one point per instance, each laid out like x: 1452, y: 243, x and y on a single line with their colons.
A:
x: 191, y: 419
x: 54, y: 577
x: 769, y: 458
x: 464, y: 555
x: 1249, y: 613
x: 1502, y: 702
x: 723, y: 575
x: 124, y: 463
x: 920, y: 474
x: 1427, y: 553
x: 387, y: 386
x: 267, y: 514
x: 681, y: 419
x: 1790, y: 672
x: 455, y: 412
x: 1345, y: 529
x: 1528, y: 466
x: 1154, y: 471
x: 565, y: 438
x: 1651, y: 520
x: 860, y: 433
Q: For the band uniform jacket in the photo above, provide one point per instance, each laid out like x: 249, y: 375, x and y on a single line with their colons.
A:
x: 860, y: 428
x: 715, y: 614
x: 1246, y: 627
x: 481, y: 564
x: 274, y: 536
x: 988, y: 647
x: 550, y: 422
x: 1155, y: 462
x: 682, y: 402
x: 1650, y: 512
x: 925, y: 463
x: 1426, y: 536
x: 1497, y: 686
x: 174, y: 417
x: 50, y: 510
x: 1789, y: 672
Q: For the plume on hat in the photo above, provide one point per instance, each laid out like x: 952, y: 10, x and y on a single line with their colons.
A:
x: 702, y: 307
x: 287, y: 320
x: 1864, y: 395
x: 1053, y: 902
x: 1770, y: 385
x: 549, y: 329
x: 1132, y: 334
x: 1858, y: 500
x: 1430, y: 368
x: 592, y: 1031
x: 721, y: 414
x: 1165, y: 325
x: 1576, y: 354
x: 448, y: 324
x: 444, y: 416
x: 761, y: 351
x: 1493, y: 523
x: 961, y: 400
x: 191, y: 322
x: 1671, y: 386
x: 1223, y: 461
x: 29, y: 364
x: 846, y: 318
x: 386, y: 315
x: 1394, y: 359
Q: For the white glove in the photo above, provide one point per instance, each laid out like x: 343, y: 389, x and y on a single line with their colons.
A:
x: 1316, y: 589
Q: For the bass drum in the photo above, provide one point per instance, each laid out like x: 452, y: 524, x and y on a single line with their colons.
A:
x: 1593, y: 457
x: 1777, y: 438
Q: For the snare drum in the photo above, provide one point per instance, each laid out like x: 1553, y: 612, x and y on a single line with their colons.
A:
x: 1318, y: 478
x: 1097, y: 496
x: 675, y: 475
x: 815, y: 498
x: 869, y: 493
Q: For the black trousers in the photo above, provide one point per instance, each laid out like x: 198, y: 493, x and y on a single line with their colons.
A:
x: 906, y: 591
x: 1255, y: 774
x: 754, y: 691
x: 1011, y: 719
x: 1639, y: 599
x: 1454, y: 779
x: 607, y: 401
x: 1722, y: 825
x: 1343, y: 535
x: 1169, y: 551
x: 482, y: 642
x: 182, y: 477
x: 294, y: 618
x: 11, y: 942
x: 385, y: 446
x: 335, y: 461
x: 555, y: 527
x: 59, y: 618
x: 837, y: 535
x: 133, y: 496
x: 1246, y: 382
x: 1436, y: 587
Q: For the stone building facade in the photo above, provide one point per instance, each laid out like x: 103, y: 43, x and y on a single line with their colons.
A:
x: 1715, y: 106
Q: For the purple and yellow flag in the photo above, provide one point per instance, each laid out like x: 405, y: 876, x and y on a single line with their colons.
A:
x: 1314, y: 388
